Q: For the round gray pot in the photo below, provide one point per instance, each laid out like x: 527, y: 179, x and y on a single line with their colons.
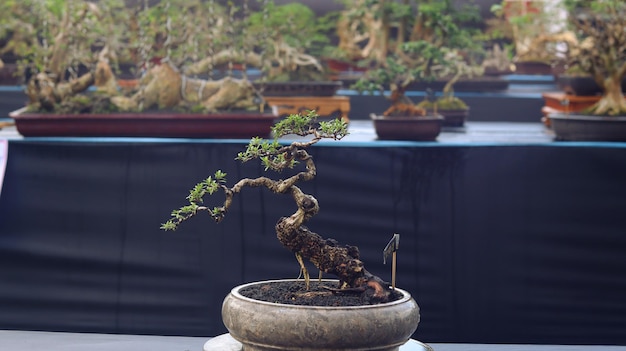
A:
x: 264, y: 326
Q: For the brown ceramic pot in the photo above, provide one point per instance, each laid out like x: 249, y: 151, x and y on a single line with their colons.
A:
x: 423, y: 128
x: 242, y: 125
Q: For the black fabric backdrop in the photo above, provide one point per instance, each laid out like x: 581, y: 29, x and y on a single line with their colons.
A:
x: 499, y: 244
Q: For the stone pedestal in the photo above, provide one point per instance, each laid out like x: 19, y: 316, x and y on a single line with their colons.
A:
x: 225, y: 342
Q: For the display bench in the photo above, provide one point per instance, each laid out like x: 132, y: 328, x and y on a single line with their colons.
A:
x: 506, y: 235
x: 520, y: 102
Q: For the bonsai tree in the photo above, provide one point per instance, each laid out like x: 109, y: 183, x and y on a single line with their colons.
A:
x: 370, y: 30
x: 456, y: 68
x: 177, y: 41
x: 538, y: 30
x: 397, y: 75
x: 326, y: 254
x: 76, y: 45
x: 426, y: 47
x: 497, y: 61
x: 602, y: 50
x: 59, y: 43
x: 289, y: 36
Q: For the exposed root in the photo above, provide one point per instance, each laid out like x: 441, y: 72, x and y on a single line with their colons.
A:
x: 608, y: 107
x: 404, y: 109
x: 373, y: 290
x: 303, y: 271
x: 312, y: 294
x: 402, y: 106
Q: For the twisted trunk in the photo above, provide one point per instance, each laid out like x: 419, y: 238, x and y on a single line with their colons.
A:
x: 326, y: 254
x: 44, y: 92
x: 612, y: 102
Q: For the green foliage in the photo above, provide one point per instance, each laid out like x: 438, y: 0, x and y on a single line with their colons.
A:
x: 595, y: 6
x: 534, y: 28
x: 273, y: 155
x: 184, y: 30
x: 271, y: 152
x: 37, y: 30
x: 296, y: 23
x: 443, y: 21
x: 266, y: 151
x: 209, y: 186
x: 397, y: 73
x: 299, y: 124
x: 304, y: 124
x: 280, y: 32
x: 432, y: 32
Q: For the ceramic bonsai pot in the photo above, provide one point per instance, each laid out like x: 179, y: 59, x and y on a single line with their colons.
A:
x: 576, y: 127
x: 343, y: 66
x: 453, y: 118
x: 423, y: 128
x: 145, y: 124
x: 265, y: 326
x: 478, y: 84
x: 533, y: 68
x: 568, y: 103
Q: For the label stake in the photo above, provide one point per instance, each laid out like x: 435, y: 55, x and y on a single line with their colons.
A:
x: 391, y: 249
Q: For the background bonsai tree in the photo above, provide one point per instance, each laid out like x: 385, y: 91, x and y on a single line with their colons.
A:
x: 538, y: 30
x: 326, y: 254
x: 456, y: 68
x: 176, y: 41
x: 69, y: 46
x: 369, y: 30
x: 59, y: 44
x: 290, y: 37
x: 425, y: 46
x: 602, y: 50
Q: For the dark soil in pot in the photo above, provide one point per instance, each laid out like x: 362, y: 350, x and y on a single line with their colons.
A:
x: 295, y: 293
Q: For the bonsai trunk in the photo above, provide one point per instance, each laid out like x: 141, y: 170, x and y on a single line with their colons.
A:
x: 44, y: 92
x: 326, y: 254
x: 164, y: 86
x: 401, y: 105
x: 612, y: 102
